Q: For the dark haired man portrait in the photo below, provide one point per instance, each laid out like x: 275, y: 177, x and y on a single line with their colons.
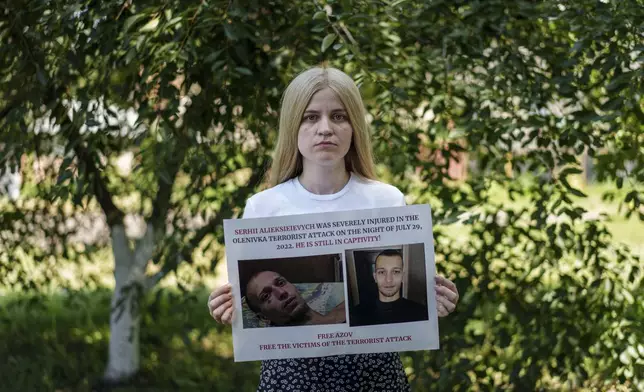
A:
x: 276, y: 300
x: 390, y: 306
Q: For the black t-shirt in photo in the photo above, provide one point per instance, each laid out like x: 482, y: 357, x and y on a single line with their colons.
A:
x: 399, y: 311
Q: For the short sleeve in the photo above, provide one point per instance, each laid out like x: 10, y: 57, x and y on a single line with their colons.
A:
x: 403, y: 202
x: 398, y: 198
x: 249, y: 210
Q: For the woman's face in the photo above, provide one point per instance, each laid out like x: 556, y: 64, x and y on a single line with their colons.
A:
x: 325, y: 132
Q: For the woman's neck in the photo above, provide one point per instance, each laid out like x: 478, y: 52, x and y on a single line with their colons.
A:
x: 322, y: 180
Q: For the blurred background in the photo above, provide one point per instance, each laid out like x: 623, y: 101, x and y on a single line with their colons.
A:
x: 130, y: 130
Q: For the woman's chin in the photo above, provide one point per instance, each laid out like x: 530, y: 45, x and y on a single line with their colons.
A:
x: 328, y: 160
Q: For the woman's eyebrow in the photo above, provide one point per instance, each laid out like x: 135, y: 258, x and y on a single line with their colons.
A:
x: 313, y: 111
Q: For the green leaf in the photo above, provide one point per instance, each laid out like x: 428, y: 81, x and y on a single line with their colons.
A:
x: 244, y: 71
x: 174, y: 21
x: 320, y: 15
x: 572, y: 190
x: 217, y: 65
x: 619, y: 82
x: 358, y: 18
x: 129, y: 22
x: 230, y: 32
x: 130, y: 55
x: 327, y: 41
x: 213, y: 56
x: 613, y: 103
x: 570, y: 170
x: 64, y: 175
x: 65, y: 164
x: 150, y: 26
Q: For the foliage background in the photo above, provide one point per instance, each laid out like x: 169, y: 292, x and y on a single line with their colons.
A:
x: 520, y: 122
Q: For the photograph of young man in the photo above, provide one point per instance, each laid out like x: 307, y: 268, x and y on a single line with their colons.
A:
x: 390, y: 306
x: 276, y: 300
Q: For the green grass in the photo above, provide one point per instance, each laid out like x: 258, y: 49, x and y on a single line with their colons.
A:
x: 60, y: 343
x: 628, y: 231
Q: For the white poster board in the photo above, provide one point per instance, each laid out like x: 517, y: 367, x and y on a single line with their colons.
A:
x: 334, y: 283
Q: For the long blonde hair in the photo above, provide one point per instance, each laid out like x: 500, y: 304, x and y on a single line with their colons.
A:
x: 287, y: 159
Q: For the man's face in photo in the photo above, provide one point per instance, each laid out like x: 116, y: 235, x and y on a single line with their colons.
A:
x: 388, y: 276
x: 277, y: 299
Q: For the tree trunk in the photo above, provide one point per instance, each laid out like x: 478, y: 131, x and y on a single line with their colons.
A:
x: 123, y: 360
x: 129, y: 273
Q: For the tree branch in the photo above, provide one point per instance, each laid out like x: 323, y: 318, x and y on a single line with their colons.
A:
x: 112, y: 213
x: 152, y: 280
x: 161, y: 203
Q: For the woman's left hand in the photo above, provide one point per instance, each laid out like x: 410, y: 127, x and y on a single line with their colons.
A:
x: 446, y: 296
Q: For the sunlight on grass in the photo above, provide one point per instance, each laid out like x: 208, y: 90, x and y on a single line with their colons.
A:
x: 629, y: 232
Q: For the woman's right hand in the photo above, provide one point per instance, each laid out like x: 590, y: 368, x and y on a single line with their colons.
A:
x: 220, y: 304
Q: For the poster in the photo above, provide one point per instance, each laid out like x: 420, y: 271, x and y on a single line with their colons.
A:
x: 334, y: 283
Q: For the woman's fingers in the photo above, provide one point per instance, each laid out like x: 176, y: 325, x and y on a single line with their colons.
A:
x: 227, y: 317
x: 220, y: 310
x: 446, y: 296
x: 442, y: 281
x: 218, y: 301
x: 218, y: 296
x: 449, y: 294
x: 225, y: 289
x: 446, y: 303
x: 440, y: 308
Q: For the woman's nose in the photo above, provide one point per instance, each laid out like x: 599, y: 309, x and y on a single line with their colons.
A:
x: 324, y: 127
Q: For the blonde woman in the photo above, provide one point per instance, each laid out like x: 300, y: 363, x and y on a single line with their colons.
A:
x: 323, y: 162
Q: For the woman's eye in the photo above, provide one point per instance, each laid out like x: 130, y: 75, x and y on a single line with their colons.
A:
x: 263, y: 297
x: 280, y: 283
x: 339, y: 117
x: 310, y: 117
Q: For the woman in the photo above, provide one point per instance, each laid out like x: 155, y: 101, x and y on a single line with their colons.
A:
x: 323, y: 162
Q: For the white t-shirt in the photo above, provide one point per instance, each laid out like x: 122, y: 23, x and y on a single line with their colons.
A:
x: 291, y: 198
